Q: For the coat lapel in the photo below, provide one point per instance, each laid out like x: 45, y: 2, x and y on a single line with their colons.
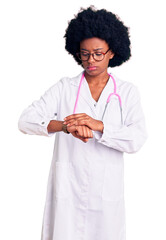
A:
x: 85, y: 93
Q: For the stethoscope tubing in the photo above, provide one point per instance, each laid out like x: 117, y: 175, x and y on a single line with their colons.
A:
x: 108, y: 99
x: 78, y: 93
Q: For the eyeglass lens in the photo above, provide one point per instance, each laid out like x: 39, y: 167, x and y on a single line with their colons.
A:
x: 98, y: 56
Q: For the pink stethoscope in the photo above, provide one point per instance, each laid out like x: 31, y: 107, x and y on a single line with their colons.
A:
x: 108, y: 99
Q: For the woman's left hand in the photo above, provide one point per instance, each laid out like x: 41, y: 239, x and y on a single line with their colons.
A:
x: 81, y: 119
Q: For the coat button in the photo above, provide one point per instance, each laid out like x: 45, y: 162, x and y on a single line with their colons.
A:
x: 43, y: 123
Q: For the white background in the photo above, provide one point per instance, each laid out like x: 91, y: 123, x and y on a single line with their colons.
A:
x: 32, y: 58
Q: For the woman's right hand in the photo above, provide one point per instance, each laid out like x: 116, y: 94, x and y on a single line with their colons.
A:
x: 81, y: 132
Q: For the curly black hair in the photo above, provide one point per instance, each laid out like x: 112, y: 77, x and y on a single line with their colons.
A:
x: 89, y: 23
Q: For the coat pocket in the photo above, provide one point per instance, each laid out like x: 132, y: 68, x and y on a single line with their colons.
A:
x: 113, y: 183
x: 62, y: 180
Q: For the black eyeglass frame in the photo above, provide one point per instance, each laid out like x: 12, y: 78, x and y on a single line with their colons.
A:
x: 103, y: 53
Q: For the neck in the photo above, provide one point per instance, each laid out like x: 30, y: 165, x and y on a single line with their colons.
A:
x: 98, y: 79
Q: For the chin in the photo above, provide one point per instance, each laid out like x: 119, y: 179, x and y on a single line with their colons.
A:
x: 91, y: 72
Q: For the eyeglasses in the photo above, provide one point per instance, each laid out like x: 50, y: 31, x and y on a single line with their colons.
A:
x: 97, y: 56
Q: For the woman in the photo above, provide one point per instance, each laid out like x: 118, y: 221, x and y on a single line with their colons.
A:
x: 96, y: 117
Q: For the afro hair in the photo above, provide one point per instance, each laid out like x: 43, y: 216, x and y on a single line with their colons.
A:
x: 89, y: 23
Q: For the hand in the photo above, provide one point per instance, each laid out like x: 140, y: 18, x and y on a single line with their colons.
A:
x: 82, y: 119
x: 81, y: 132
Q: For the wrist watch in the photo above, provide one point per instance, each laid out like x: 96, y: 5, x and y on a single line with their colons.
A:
x: 64, y: 128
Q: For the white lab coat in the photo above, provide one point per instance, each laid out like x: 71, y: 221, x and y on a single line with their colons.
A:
x: 85, y: 193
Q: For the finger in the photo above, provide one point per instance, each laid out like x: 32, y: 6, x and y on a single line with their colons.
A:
x: 79, y: 131
x: 75, y: 134
x: 86, y: 140
x: 76, y: 115
x: 81, y: 138
x: 79, y: 122
x: 84, y: 132
x: 87, y: 132
x: 72, y: 120
x: 90, y: 134
x: 84, y: 120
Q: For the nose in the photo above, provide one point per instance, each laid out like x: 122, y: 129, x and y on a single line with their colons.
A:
x: 91, y: 59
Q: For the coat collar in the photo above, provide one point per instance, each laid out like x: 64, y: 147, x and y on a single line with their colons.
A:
x: 76, y: 80
x: 86, y: 94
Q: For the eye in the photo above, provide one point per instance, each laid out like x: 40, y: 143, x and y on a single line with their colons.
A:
x: 85, y: 54
x: 98, y: 54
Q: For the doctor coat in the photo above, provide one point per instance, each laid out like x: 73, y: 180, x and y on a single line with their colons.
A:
x: 85, y: 192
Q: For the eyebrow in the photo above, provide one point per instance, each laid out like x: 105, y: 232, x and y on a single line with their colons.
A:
x: 93, y: 49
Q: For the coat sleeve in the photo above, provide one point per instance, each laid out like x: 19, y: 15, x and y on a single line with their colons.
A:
x: 35, y: 118
x: 130, y: 136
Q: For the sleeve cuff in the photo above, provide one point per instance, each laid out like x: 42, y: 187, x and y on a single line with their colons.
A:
x: 111, y: 132
x: 43, y: 128
x: 35, y: 128
x: 97, y: 135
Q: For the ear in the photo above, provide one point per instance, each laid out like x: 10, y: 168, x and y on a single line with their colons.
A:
x: 111, y: 54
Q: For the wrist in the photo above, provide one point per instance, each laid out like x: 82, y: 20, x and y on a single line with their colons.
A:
x: 64, y: 128
x: 101, y: 126
x: 54, y: 126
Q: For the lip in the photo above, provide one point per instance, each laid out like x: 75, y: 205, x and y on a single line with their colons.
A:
x: 91, y: 68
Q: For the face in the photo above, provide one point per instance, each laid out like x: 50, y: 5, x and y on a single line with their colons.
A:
x: 95, y: 45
